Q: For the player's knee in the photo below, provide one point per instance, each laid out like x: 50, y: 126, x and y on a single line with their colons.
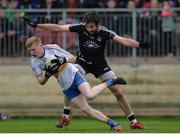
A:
x: 89, y: 96
x: 117, y: 91
x: 84, y: 109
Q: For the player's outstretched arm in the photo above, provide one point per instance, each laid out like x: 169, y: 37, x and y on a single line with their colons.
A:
x: 132, y: 43
x: 54, y: 27
x: 51, y: 27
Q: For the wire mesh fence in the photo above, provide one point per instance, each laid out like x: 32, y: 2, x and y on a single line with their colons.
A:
x: 162, y: 32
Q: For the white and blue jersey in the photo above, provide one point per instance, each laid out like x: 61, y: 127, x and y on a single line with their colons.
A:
x: 67, y: 75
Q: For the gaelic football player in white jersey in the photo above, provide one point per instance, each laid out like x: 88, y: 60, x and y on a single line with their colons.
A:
x: 74, y: 85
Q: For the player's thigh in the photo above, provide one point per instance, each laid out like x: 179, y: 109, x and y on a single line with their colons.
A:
x: 85, y: 88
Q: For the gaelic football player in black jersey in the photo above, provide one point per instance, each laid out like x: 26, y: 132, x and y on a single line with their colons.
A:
x: 91, y: 57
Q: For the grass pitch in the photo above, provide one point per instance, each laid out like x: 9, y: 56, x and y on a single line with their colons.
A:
x: 155, y: 124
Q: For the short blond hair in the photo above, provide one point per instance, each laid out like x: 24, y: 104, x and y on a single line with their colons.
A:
x: 32, y: 40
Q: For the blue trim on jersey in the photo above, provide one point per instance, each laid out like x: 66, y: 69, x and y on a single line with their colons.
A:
x: 73, y: 91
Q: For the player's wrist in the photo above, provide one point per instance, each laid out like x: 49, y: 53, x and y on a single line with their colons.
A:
x: 48, y: 74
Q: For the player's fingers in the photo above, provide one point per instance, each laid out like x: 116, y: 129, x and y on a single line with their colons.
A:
x: 26, y: 19
x: 55, y: 61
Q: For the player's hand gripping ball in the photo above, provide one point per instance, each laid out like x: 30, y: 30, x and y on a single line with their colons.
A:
x: 52, y: 63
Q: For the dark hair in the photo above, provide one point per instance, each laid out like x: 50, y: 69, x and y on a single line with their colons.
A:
x: 92, y: 16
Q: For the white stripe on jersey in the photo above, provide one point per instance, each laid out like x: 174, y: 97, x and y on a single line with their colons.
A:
x: 76, y: 24
x: 107, y: 30
x: 56, y: 47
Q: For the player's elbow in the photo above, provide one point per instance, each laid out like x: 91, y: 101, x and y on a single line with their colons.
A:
x: 42, y: 82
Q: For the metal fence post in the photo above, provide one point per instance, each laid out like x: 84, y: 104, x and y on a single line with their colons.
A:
x: 64, y: 16
x: 134, y: 34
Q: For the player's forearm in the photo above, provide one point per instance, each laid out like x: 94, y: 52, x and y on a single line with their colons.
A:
x: 127, y: 41
x: 71, y: 58
x: 54, y: 27
x: 51, y: 27
x: 42, y: 79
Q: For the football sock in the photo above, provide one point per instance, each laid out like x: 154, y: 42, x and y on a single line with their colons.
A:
x: 132, y: 118
x: 109, y: 83
x: 67, y: 110
x: 112, y: 123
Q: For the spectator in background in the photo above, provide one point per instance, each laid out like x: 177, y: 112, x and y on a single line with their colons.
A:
x: 167, y: 27
x: 147, y: 5
x: 2, y: 37
x: 111, y: 4
x: 126, y: 21
x: 150, y: 19
x: 47, y: 37
x: 177, y: 27
x: 57, y: 37
x: 102, y: 3
x: 122, y: 3
x: 26, y: 4
x: 9, y: 27
x: 70, y: 5
x: 3, y: 5
x: 71, y: 39
x: 155, y: 26
x: 48, y: 5
x: 131, y: 5
x: 88, y: 3
x: 138, y: 3
x: 177, y: 4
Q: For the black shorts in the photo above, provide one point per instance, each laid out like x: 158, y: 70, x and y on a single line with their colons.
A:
x: 97, y: 68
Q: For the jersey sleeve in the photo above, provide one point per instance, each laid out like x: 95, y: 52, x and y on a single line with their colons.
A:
x: 109, y: 34
x: 36, y: 68
x: 61, y: 52
x: 57, y: 50
x: 75, y: 27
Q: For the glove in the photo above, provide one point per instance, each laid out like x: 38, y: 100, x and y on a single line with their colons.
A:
x: 114, y: 81
x: 59, y: 60
x: 48, y: 72
x: 32, y: 24
x: 145, y: 45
